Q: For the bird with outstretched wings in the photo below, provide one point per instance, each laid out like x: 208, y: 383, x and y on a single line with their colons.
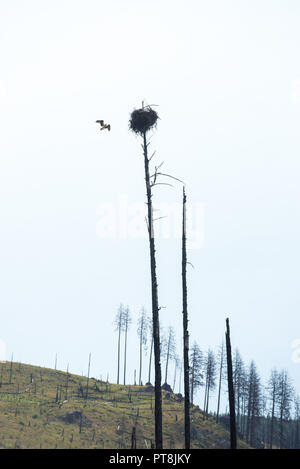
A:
x: 103, y: 126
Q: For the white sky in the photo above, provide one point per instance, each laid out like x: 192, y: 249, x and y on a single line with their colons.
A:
x: 226, y: 77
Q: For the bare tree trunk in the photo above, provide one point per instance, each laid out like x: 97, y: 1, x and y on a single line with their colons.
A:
x: 166, y: 369
x: 125, y: 352
x: 133, y: 438
x: 272, y: 423
x: 174, y: 381
x: 220, y: 382
x: 155, y: 308
x: 119, y: 340
x: 230, y: 388
x: 180, y: 374
x: 187, y: 429
x: 205, y: 396
x: 88, y: 378
x: 141, y: 357
x: 192, y: 382
x: 150, y: 360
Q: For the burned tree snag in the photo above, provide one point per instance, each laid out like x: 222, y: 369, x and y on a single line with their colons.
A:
x: 155, y: 308
x: 141, y: 121
x: 185, y: 332
x: 230, y: 388
x: 133, y: 438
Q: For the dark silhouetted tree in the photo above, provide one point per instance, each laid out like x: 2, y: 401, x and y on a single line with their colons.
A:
x: 230, y: 388
x: 186, y: 369
x: 141, y: 121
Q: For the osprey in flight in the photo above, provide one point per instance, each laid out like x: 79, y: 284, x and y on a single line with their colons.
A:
x: 103, y: 126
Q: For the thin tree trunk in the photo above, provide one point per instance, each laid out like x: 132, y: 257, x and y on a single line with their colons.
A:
x: 187, y: 429
x: 249, y: 413
x: 205, y: 396
x: 174, y: 378
x: 141, y: 356
x: 167, y: 361
x: 230, y: 389
x: 192, y: 381
x: 125, y: 351
x: 150, y: 361
x: 180, y: 375
x: 220, y: 384
x: 272, y: 421
x: 88, y: 377
x: 155, y: 308
x: 119, y: 342
x: 281, y: 431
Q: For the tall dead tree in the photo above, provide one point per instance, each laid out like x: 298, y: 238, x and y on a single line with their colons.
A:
x: 119, y: 326
x: 142, y: 334
x: 272, y: 389
x: 210, y: 378
x: 230, y: 388
x: 221, y: 373
x: 141, y: 121
x: 150, y: 327
x: 196, y: 375
x: 88, y: 379
x: 127, y: 322
x: 169, y: 349
x: 186, y: 368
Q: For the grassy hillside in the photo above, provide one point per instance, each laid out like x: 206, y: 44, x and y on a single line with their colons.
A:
x: 44, y: 408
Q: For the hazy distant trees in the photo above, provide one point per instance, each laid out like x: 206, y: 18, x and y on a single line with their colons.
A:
x: 285, y: 397
x: 221, y: 367
x: 142, y: 331
x: 119, y: 326
x: 210, y: 377
x: 240, y: 385
x: 168, y: 349
x: 297, y: 418
x: 196, y: 373
x: 126, y: 323
x: 177, y: 365
x: 266, y: 415
x: 272, y: 393
x: 150, y: 331
x: 253, y: 403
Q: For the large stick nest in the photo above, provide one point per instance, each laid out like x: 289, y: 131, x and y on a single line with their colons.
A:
x: 142, y: 120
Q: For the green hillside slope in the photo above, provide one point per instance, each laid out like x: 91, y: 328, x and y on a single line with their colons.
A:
x: 44, y: 408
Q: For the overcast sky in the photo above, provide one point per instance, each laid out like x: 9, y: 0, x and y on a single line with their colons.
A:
x: 226, y: 78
